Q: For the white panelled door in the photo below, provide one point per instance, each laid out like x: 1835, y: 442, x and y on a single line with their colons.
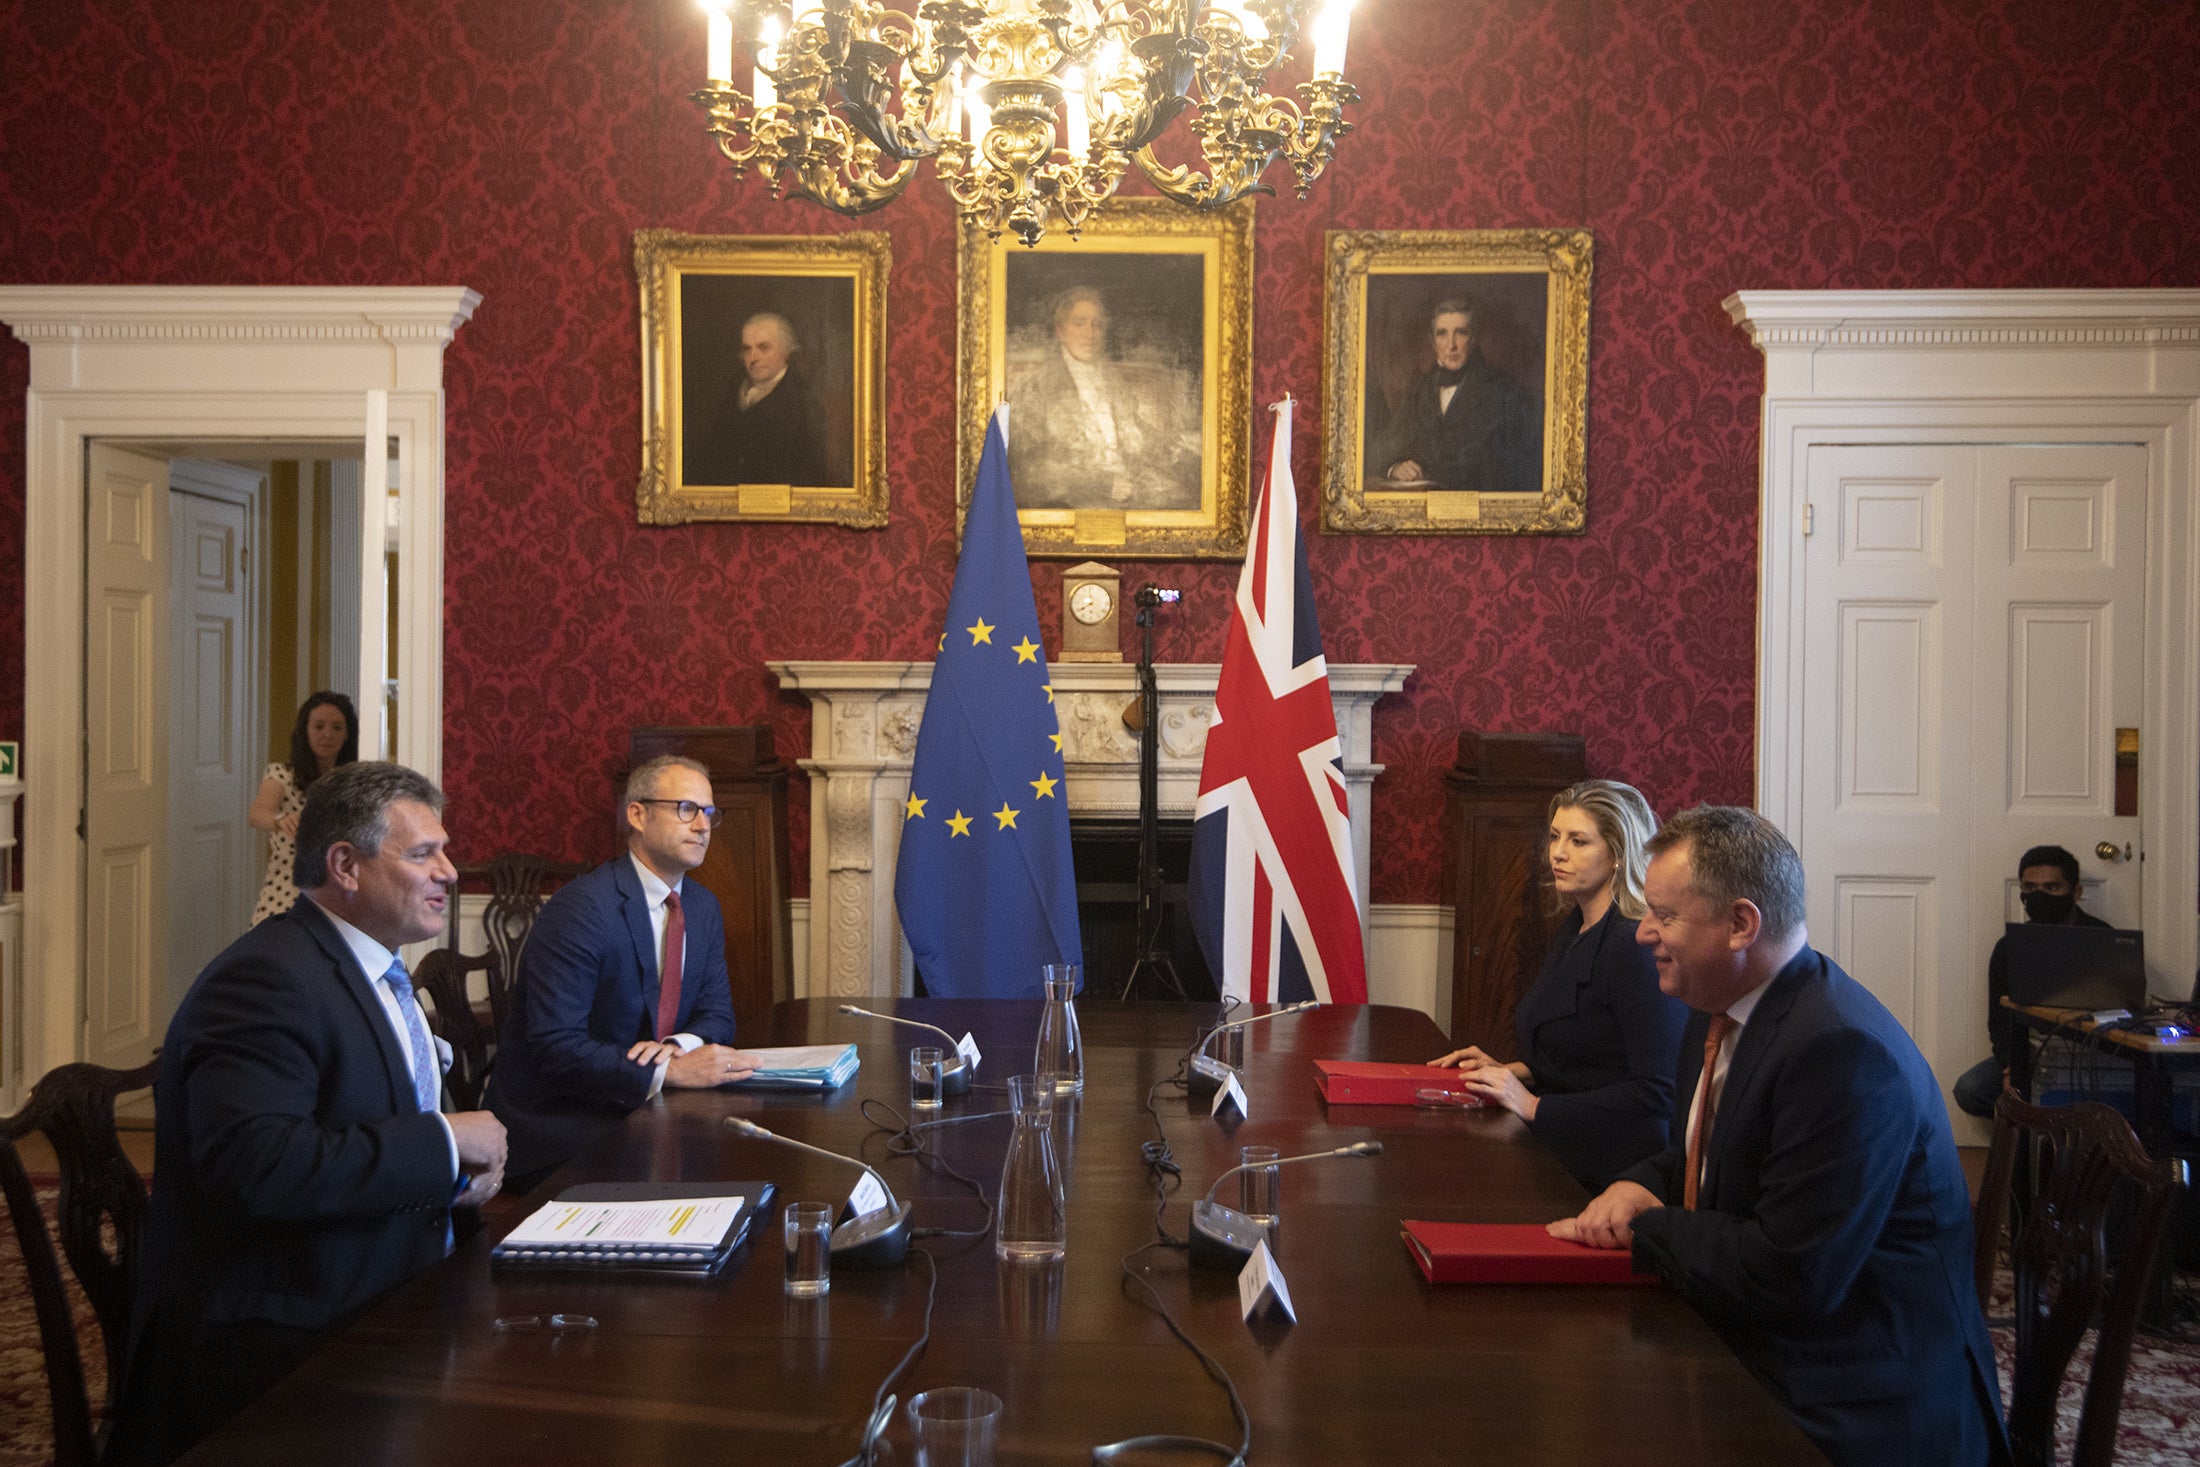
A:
x: 125, y: 755
x: 214, y: 875
x: 1973, y: 643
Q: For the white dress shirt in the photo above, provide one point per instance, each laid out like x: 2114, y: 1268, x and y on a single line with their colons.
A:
x: 654, y: 892
x: 374, y: 960
x: 1092, y: 390
x: 1715, y: 1078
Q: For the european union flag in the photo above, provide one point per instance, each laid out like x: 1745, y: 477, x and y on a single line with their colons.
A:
x: 984, y: 885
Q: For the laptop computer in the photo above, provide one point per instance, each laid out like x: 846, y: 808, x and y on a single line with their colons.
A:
x: 2054, y: 966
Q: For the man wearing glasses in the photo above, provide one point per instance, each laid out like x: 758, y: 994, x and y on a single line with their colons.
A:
x: 622, y: 987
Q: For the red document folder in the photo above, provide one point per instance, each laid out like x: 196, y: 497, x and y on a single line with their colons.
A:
x: 1362, y: 1082
x: 1513, y: 1253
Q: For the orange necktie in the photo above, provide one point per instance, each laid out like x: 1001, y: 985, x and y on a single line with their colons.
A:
x: 668, y: 970
x: 1721, y: 1026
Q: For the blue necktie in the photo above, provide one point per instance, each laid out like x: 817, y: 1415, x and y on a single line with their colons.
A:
x: 426, y: 1089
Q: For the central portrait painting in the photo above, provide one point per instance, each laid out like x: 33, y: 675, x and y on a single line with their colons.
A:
x: 1123, y: 359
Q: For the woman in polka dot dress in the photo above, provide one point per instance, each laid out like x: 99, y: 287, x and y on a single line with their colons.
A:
x: 325, y: 735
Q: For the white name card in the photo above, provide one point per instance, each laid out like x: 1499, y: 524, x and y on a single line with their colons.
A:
x: 1261, y: 1287
x: 1230, y: 1094
x: 967, y: 1047
x: 868, y: 1197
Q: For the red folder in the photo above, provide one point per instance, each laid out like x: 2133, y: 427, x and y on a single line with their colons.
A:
x: 1362, y: 1082
x: 1513, y: 1253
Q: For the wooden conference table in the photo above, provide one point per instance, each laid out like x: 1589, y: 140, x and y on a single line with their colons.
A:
x: 1380, y: 1367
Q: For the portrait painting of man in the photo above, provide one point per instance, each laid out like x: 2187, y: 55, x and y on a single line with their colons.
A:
x: 1454, y: 396
x: 1455, y: 400
x: 1104, y: 403
x: 763, y: 377
x: 767, y: 378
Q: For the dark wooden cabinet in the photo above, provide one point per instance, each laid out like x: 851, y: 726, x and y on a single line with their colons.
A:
x: 747, y: 865
x: 1499, y: 796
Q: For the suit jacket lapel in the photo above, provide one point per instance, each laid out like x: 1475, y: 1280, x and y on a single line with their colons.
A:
x: 635, y: 906
x: 1754, y: 1043
x: 361, y: 989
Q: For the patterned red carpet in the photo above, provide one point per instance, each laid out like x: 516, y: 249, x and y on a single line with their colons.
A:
x: 2160, y: 1425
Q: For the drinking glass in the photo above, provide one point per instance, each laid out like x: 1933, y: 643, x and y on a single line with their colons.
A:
x: 809, y: 1228
x: 927, y: 1078
x: 955, y: 1426
x: 1260, y: 1185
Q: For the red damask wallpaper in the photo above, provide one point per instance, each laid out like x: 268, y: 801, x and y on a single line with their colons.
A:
x: 516, y: 145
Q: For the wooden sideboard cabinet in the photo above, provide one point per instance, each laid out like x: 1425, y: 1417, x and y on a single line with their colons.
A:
x: 747, y: 865
x: 1499, y: 795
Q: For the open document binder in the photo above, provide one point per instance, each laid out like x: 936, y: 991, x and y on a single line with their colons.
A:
x: 666, y: 1228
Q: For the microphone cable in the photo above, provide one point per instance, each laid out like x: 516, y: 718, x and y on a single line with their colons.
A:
x: 1235, y: 1457
x: 882, y: 1403
x: 903, y: 1140
x: 1162, y: 1167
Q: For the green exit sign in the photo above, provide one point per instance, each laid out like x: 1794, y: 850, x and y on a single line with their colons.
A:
x: 7, y: 759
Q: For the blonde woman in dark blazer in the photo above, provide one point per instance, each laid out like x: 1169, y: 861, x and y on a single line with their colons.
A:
x: 1598, y: 1039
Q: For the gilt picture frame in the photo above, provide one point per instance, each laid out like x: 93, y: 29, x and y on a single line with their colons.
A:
x: 1125, y: 357
x: 763, y: 378
x: 1455, y: 382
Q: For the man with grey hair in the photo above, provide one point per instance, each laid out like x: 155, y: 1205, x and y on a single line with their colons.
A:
x: 301, y: 1165
x: 769, y: 429
x: 1811, y: 1205
x: 1090, y: 430
x: 622, y: 988
x: 1464, y: 424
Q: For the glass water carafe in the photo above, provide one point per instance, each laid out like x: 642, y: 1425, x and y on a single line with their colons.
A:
x: 1059, y: 1056
x: 1033, y: 1220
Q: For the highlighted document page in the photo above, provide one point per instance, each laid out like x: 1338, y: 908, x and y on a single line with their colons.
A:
x: 698, y: 1224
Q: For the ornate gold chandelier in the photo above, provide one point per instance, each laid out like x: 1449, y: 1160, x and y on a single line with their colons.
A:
x: 1034, y: 109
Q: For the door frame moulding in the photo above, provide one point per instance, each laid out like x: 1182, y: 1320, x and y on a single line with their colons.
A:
x: 199, y: 362
x: 1994, y: 367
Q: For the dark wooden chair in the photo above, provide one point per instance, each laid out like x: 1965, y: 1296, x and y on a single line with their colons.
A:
x: 518, y: 886
x: 101, y: 1220
x: 2085, y: 1155
x: 442, y: 977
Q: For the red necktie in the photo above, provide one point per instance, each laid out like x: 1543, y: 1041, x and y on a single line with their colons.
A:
x: 668, y: 971
x: 1721, y: 1026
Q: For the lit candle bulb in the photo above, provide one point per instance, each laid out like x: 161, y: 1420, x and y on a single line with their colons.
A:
x: 767, y: 55
x: 1075, y: 105
x: 978, y: 115
x: 718, y: 47
x: 1253, y: 26
x: 808, y: 12
x: 1330, y: 30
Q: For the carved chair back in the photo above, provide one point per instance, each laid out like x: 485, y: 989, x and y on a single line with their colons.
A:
x: 442, y: 977
x: 518, y: 886
x: 2060, y: 1266
x: 101, y: 1220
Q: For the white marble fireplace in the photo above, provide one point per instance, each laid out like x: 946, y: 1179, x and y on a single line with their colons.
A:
x: 863, y: 731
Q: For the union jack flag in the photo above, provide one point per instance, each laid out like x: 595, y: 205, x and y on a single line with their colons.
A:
x: 1272, y: 892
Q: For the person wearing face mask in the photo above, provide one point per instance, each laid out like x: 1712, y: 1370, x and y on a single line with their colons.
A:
x: 1598, y: 1039
x: 2048, y: 885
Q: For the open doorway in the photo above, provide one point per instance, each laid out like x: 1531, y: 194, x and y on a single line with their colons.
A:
x: 222, y: 589
x: 192, y: 364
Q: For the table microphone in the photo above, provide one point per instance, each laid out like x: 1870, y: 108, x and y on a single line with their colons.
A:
x: 878, y: 1238
x: 1223, y: 1237
x: 1207, y: 1073
x: 959, y: 1071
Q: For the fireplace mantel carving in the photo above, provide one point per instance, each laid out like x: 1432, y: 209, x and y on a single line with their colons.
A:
x: 863, y: 732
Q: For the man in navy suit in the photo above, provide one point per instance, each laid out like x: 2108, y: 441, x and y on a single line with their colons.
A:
x: 622, y: 987
x: 1810, y: 1205
x: 301, y: 1167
